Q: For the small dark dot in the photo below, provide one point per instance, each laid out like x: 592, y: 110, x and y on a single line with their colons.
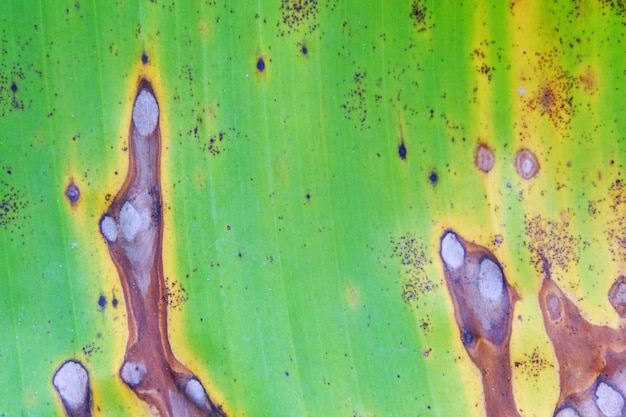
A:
x: 9, y: 172
x: 402, y: 150
x: 14, y: 87
x: 72, y: 193
x: 433, y: 177
x: 304, y: 50
x: 102, y: 301
x: 228, y: 227
x: 286, y: 373
x: 308, y: 196
x: 144, y: 58
x: 114, y: 302
x: 260, y: 65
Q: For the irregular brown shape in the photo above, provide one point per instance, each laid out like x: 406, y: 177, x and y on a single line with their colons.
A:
x: 133, y: 228
x: 483, y: 308
x: 526, y: 164
x: 592, y: 359
x: 484, y: 158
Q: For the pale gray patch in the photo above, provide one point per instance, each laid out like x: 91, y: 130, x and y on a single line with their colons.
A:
x: 196, y: 393
x: 130, y: 221
x: 554, y: 307
x: 452, y: 252
x: 609, y: 401
x: 567, y: 412
x: 132, y: 373
x: 145, y: 112
x: 621, y: 293
x: 142, y: 278
x: 108, y: 228
x: 490, y: 281
x: 72, y: 383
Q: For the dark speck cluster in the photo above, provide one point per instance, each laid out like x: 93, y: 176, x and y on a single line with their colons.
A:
x: 12, y: 205
x: 355, y: 107
x: 553, y: 241
x: 411, y: 252
x: 298, y: 16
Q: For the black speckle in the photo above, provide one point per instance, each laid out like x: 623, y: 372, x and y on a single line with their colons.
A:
x: 102, y: 301
x: 260, y: 65
x: 308, y: 196
x: 144, y: 58
x: 228, y: 227
x: 72, y: 193
x: 287, y: 373
x: 304, y: 50
x: 114, y: 302
x: 14, y: 87
x: 402, y: 151
x: 433, y: 178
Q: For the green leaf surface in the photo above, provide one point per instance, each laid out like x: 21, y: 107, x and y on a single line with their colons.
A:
x: 301, y: 249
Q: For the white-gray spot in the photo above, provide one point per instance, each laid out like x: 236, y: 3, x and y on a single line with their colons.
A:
x: 452, y: 252
x: 130, y: 221
x: 609, y: 401
x: 108, y: 228
x: 567, y: 412
x: 145, y: 112
x: 72, y: 383
x: 490, y: 281
x: 196, y: 393
x: 132, y: 373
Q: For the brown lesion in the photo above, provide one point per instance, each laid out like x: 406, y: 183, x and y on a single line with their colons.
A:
x: 592, y: 358
x: 133, y: 228
x: 483, y: 308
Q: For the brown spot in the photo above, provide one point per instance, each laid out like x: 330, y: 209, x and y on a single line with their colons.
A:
x: 617, y: 296
x: 526, y: 164
x: 589, y: 80
x: 133, y: 229
x: 483, y: 309
x: 484, y: 158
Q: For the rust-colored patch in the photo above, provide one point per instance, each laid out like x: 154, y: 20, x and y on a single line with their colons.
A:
x: 553, y: 98
x: 133, y: 229
x: 484, y: 158
x: 592, y: 359
x: 483, y: 308
x: 589, y: 80
x: 526, y: 164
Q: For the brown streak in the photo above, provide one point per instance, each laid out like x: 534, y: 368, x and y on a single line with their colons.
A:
x: 139, y: 259
x: 587, y: 354
x: 488, y: 350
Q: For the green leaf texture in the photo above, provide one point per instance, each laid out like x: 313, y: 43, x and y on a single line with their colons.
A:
x: 304, y: 202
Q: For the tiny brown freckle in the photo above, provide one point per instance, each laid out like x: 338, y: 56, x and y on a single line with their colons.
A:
x: 484, y: 158
x: 526, y: 164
